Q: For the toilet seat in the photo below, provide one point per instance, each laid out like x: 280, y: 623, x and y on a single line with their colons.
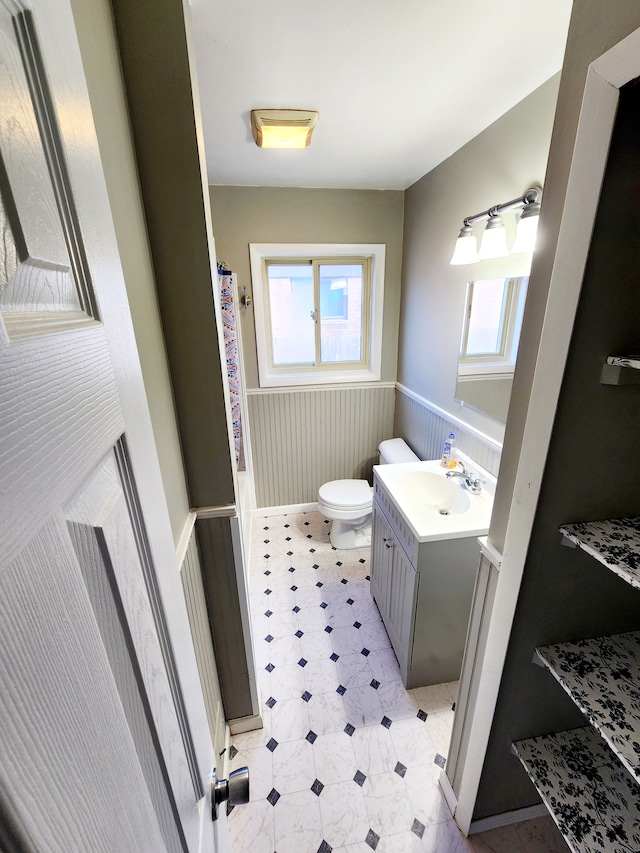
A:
x: 351, y: 495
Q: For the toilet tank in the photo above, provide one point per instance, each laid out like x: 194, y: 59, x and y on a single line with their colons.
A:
x: 396, y: 450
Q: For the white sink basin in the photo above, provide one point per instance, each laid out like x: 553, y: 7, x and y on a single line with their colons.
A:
x: 434, y: 506
x: 434, y: 492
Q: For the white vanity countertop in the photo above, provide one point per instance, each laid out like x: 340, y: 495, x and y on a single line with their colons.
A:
x: 422, y: 499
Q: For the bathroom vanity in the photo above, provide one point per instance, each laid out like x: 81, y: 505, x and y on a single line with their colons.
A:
x: 424, y: 559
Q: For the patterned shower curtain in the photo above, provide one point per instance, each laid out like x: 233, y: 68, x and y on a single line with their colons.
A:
x: 226, y: 281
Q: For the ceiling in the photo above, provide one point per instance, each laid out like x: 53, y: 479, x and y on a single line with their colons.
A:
x: 399, y: 84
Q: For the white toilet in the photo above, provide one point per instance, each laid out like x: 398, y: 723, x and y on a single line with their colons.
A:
x: 348, y: 503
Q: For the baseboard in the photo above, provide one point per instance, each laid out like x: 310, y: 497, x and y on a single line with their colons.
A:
x: 449, y: 793
x: 245, y: 724
x: 507, y: 818
x: 288, y: 509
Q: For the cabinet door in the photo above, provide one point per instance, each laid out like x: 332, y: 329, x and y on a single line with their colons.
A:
x: 403, y: 591
x: 381, y: 557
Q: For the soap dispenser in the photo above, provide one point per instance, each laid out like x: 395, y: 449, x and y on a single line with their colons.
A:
x: 447, y: 461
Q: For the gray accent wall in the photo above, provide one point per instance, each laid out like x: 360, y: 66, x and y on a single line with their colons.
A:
x: 497, y: 165
x: 302, y: 439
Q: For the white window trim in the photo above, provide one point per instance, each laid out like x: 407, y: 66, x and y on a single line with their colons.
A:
x: 258, y: 252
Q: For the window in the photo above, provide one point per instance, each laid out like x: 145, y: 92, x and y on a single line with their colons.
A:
x: 491, y: 327
x: 318, y: 312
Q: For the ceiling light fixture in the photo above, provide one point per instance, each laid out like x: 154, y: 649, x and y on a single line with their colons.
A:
x: 283, y: 128
x: 494, y: 239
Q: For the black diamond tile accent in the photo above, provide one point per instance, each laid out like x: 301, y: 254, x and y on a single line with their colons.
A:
x: 349, y: 729
x: 365, y: 652
x: 375, y: 684
x: 386, y: 722
x: 288, y: 538
x: 266, y: 541
x: 311, y: 737
x: 267, y: 573
x: 359, y: 778
x: 422, y: 715
x: 306, y: 695
x: 440, y: 760
x: 267, y: 592
x: 312, y: 550
x: 400, y: 769
x: 319, y: 584
x: 324, y: 847
x: 270, y: 702
x: 286, y: 525
x: 266, y: 556
x: 418, y: 828
x: 299, y: 634
x: 328, y: 629
x: 317, y: 787
x: 296, y: 609
x: 344, y: 580
x: 265, y: 528
x: 291, y: 568
x: 357, y: 624
x: 309, y: 536
x: 334, y: 657
x: 274, y: 796
x: 349, y: 600
x: 324, y: 605
x: 368, y: 578
x: 338, y: 563
x: 302, y: 662
x: 289, y: 553
x: 362, y: 560
x: 269, y: 667
x: 268, y: 613
x: 372, y: 839
x: 294, y: 588
x: 326, y: 521
x: 306, y: 523
x: 341, y: 690
x: 232, y: 752
x: 272, y: 744
x: 269, y: 638
x: 315, y: 566
x: 453, y: 707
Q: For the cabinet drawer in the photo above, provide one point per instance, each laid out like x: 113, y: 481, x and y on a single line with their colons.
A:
x: 397, y: 523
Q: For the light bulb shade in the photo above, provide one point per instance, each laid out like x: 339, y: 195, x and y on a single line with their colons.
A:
x: 494, y: 240
x: 283, y: 128
x: 527, y: 229
x: 466, y: 250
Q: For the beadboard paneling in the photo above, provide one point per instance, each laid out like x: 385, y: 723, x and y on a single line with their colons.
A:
x: 425, y: 431
x: 302, y: 439
x: 191, y: 574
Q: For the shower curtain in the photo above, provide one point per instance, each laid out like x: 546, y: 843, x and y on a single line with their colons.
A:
x: 226, y: 281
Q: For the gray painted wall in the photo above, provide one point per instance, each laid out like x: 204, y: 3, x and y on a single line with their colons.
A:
x: 496, y: 166
x: 591, y: 473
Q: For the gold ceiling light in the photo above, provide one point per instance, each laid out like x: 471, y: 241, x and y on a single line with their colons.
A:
x: 283, y: 128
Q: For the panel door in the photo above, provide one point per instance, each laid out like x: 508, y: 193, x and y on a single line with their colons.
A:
x: 381, y: 547
x: 401, y: 607
x: 100, y: 745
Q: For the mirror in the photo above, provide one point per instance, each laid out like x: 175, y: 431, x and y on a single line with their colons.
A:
x: 489, y: 344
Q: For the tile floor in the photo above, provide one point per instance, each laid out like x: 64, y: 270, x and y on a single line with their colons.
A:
x: 348, y: 761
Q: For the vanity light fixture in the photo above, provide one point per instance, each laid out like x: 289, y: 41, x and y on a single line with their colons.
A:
x: 283, y: 128
x: 494, y: 239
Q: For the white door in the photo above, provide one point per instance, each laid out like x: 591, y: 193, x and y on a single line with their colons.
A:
x: 103, y: 737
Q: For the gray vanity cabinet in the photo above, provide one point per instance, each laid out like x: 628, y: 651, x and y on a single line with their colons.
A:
x: 423, y: 591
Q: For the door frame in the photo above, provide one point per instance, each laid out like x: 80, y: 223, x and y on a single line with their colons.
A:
x: 605, y: 76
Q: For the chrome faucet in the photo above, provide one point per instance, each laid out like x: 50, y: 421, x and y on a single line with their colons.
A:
x: 471, y: 480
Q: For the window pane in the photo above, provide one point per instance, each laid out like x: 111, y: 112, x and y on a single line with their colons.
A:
x: 341, y: 297
x: 291, y: 306
x: 486, y: 318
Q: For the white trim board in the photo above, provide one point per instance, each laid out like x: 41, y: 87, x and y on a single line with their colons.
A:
x: 288, y: 509
x: 336, y: 386
x: 508, y: 818
x: 604, y: 78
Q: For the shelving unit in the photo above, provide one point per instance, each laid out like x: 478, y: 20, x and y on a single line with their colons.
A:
x: 588, y: 777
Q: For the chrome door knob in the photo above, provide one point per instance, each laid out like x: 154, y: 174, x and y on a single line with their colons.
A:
x: 235, y: 789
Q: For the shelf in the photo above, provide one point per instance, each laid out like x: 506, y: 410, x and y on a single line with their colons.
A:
x: 621, y: 370
x: 614, y: 542
x: 593, y: 800
x: 602, y: 676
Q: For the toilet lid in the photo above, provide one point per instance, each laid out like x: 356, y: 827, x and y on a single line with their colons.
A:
x: 352, y: 493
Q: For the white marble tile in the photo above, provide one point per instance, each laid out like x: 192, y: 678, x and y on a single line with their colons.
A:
x: 260, y: 764
x: 437, y: 697
x: 287, y: 682
x: 374, y: 636
x: 279, y: 600
x: 252, y: 828
x: 439, y: 727
x: 347, y: 641
x: 445, y: 835
x: 298, y: 825
x: 289, y: 720
x: 362, y: 706
x: 427, y: 801
x: 365, y: 610
x: 321, y: 676
x: 334, y: 757
x: 403, y: 842
x: 316, y: 645
x: 359, y: 589
x: 354, y: 671
x: 327, y: 714
x: 413, y: 743
x: 396, y: 703
x: 308, y: 595
x: 293, y: 767
x: 340, y: 615
x: 344, y: 816
x: 384, y: 665
x: 312, y: 619
x: 283, y: 651
x: 388, y: 806
x: 374, y: 750
x: 335, y: 593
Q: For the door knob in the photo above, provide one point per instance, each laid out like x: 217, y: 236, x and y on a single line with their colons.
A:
x: 235, y: 789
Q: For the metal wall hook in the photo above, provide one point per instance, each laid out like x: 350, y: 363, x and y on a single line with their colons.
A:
x: 245, y: 300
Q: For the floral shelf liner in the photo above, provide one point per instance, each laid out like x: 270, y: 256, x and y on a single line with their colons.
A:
x: 602, y: 676
x: 591, y: 797
x: 614, y: 542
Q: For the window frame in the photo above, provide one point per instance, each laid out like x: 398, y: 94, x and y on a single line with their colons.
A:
x: 370, y: 368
